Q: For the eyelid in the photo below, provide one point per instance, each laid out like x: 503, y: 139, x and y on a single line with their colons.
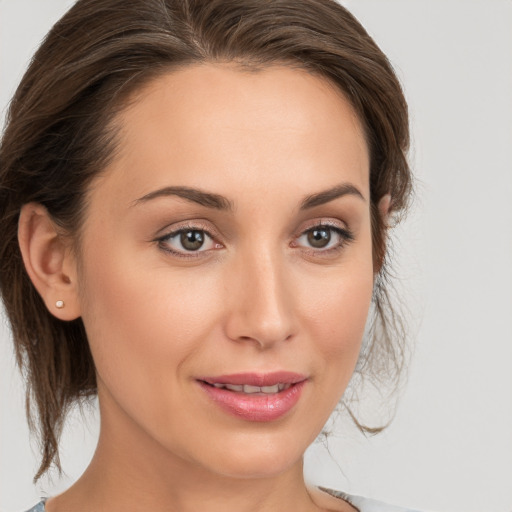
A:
x: 340, y: 228
x: 323, y: 221
x: 174, y: 230
x: 336, y: 225
x: 192, y: 224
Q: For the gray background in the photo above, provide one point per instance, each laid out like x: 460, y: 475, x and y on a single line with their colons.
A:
x: 450, y: 447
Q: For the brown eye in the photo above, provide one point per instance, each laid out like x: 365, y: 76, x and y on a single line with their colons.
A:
x: 324, y: 238
x: 188, y: 240
x: 192, y: 240
x: 319, y: 237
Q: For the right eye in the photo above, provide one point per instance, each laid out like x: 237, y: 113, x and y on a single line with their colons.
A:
x: 187, y: 240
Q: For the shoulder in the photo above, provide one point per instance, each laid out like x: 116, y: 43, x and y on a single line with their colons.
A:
x: 38, y: 508
x: 366, y: 504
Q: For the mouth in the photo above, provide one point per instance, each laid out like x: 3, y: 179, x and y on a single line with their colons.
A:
x: 251, y: 390
x: 255, y: 397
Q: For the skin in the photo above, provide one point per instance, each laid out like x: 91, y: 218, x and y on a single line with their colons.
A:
x: 257, y: 296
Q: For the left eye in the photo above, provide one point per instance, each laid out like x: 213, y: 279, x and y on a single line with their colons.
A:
x: 188, y: 240
x: 323, y: 237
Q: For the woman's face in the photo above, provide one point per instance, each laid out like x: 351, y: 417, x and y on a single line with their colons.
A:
x: 228, y: 244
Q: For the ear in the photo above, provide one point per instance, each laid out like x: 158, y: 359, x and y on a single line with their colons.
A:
x: 384, y: 207
x: 379, y: 233
x: 49, y: 261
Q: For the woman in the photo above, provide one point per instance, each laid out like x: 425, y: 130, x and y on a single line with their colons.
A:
x: 196, y: 197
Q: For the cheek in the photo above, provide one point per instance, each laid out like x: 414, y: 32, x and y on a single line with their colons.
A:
x: 336, y: 312
x: 144, y: 326
x: 338, y: 307
x: 142, y: 321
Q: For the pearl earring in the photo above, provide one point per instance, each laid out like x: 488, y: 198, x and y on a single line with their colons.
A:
x: 59, y: 304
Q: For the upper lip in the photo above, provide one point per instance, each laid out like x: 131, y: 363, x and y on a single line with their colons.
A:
x: 257, y: 379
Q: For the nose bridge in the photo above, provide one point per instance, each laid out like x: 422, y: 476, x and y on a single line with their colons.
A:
x: 261, y: 306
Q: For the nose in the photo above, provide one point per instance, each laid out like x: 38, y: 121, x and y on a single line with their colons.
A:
x: 260, y: 302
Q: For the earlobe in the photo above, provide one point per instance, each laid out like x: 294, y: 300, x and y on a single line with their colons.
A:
x: 49, y: 261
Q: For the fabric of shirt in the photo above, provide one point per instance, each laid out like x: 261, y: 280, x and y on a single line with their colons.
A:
x: 358, y: 502
x: 366, y: 504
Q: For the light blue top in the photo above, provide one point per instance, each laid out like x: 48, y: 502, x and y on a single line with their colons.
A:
x: 38, y: 508
x: 366, y: 504
x: 360, y: 503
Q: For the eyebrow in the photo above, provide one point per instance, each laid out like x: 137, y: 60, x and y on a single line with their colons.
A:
x: 219, y: 202
x: 329, y: 195
x: 207, y: 199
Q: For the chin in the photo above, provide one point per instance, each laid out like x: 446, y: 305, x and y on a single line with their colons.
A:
x: 256, y: 459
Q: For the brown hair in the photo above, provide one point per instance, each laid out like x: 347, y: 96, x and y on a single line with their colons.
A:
x: 59, y: 135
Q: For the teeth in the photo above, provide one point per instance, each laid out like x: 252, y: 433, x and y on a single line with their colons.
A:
x: 251, y: 389
x: 234, y: 387
x: 247, y: 388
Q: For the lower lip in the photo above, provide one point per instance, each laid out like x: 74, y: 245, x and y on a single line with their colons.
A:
x: 255, y: 407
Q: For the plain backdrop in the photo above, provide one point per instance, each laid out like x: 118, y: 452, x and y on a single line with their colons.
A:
x: 450, y: 446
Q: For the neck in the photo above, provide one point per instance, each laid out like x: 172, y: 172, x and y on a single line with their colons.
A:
x: 131, y: 471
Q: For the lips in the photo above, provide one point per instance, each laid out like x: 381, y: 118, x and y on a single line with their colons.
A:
x: 253, y: 396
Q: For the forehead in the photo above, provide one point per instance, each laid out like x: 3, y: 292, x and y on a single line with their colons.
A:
x: 205, y: 123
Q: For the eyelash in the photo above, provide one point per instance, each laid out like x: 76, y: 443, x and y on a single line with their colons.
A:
x: 345, y: 238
